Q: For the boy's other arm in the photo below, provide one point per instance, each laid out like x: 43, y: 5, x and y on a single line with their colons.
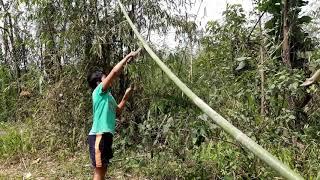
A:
x: 106, y: 83
x: 123, y: 101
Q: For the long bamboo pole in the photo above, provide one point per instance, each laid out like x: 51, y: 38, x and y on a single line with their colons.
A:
x: 264, y: 155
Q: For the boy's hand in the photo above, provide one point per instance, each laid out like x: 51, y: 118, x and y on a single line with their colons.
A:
x: 133, y: 54
x: 129, y: 91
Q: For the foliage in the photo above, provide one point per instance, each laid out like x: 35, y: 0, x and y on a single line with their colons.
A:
x: 8, y: 94
x: 161, y: 133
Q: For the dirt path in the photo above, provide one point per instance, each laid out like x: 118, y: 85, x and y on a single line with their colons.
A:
x: 60, y: 167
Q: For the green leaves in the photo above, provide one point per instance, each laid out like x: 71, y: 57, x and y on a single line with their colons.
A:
x: 270, y: 6
x: 285, y: 81
x: 304, y: 19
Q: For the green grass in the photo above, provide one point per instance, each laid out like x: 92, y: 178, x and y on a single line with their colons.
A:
x: 14, y: 140
x: 60, y: 165
x: 22, y: 156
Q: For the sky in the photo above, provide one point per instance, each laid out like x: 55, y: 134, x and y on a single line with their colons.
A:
x: 206, y: 10
x: 212, y: 9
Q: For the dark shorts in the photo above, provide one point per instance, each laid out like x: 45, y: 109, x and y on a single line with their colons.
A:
x: 100, y: 148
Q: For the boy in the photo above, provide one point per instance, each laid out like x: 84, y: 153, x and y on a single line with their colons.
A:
x: 105, y: 109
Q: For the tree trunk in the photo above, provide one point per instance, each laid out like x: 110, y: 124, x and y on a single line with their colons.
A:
x: 286, y: 44
x: 107, y: 48
x: 51, y: 57
x: 21, y: 54
x: 286, y: 36
x: 295, y: 103
x: 133, y: 18
x: 261, y: 70
x: 191, y: 59
x: 14, y: 51
x: 6, y: 44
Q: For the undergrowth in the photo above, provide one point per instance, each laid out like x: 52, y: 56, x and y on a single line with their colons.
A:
x: 161, y: 135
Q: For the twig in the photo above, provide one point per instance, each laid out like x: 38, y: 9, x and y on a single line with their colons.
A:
x: 254, y: 27
x: 24, y: 164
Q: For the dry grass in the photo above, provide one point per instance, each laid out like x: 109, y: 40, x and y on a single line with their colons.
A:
x: 60, y: 166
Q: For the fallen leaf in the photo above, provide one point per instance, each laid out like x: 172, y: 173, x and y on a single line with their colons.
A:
x: 36, y: 161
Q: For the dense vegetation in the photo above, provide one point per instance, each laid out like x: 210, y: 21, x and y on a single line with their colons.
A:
x: 249, y: 69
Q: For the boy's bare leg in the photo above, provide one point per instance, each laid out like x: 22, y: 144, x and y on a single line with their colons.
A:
x: 99, y: 173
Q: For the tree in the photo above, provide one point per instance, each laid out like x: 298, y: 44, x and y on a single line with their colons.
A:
x: 285, y: 27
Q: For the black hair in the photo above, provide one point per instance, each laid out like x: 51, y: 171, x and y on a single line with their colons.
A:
x: 94, y: 78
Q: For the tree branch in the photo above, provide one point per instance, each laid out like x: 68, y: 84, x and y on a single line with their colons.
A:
x: 254, y: 27
x: 5, y: 29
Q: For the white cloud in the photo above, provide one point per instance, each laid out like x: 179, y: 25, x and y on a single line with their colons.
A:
x: 205, y: 10
x: 213, y: 9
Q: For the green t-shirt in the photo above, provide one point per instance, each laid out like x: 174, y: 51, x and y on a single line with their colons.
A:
x: 104, y: 111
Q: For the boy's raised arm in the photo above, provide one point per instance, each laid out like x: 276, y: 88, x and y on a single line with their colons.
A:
x: 123, y: 101
x: 106, y: 83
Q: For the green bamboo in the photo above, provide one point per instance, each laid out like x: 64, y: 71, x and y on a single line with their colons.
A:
x: 261, y: 153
